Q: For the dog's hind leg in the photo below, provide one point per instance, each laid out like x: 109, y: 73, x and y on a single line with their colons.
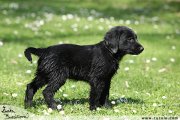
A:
x: 32, y: 88
x: 55, y: 82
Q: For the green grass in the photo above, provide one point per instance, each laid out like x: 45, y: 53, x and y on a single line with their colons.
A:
x: 156, y: 23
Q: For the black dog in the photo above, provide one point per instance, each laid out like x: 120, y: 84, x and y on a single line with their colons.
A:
x: 95, y: 64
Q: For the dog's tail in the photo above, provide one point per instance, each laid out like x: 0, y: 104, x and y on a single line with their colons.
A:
x: 36, y: 51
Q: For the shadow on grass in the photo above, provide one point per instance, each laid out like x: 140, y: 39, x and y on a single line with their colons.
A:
x: 40, y: 101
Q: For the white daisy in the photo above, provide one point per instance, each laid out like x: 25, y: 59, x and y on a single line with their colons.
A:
x: 100, y: 27
x: 86, y: 27
x: 106, y: 118
x: 154, y: 59
x: 62, y: 112
x: 73, y: 86
x: 34, y: 62
x: 148, y: 94
x: 170, y: 111
x: 49, y: 110
x: 75, y: 29
x: 127, y: 84
x: 164, y: 97
x: 59, y: 107
x: 65, y: 95
x: 14, y: 95
x: 116, y: 110
x: 70, y: 16
x: 28, y: 71
x: 101, y: 19
x: 113, y: 102
x: 61, y: 42
x: 172, y: 59
x: 131, y: 61
x: 136, y: 22
x: 126, y: 68
x: 90, y: 18
x: 1, y: 43
x: 20, y: 55
x: 155, y: 26
x: 162, y: 70
x: 6, y: 94
x: 134, y: 111
x: 154, y: 105
x: 148, y: 61
x: 45, y: 112
x: 98, y: 109
x: 173, y: 47
x: 127, y: 22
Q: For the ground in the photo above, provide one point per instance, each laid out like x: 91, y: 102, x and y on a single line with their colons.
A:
x: 147, y: 84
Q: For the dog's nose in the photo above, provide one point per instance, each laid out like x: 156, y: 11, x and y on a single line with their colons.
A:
x: 141, y: 48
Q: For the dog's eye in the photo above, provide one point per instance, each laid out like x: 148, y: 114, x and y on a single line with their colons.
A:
x: 131, y: 40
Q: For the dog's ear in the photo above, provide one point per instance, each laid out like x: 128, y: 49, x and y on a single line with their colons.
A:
x: 111, y: 42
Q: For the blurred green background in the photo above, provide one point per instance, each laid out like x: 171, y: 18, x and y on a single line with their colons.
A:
x: 147, y: 84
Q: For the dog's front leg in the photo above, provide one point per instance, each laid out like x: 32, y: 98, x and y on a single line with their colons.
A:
x: 104, y: 99
x: 95, y: 93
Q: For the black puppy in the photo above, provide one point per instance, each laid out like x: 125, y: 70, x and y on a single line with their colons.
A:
x: 95, y: 64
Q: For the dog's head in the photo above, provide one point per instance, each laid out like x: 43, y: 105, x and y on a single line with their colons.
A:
x: 123, y: 39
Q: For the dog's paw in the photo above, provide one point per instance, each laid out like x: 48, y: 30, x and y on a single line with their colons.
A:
x: 108, y: 105
x: 27, y: 104
x: 92, y: 108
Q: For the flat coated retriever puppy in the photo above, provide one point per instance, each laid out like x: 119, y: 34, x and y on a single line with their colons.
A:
x: 95, y: 64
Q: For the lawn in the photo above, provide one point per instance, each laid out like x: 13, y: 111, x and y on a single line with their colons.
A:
x: 147, y: 84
